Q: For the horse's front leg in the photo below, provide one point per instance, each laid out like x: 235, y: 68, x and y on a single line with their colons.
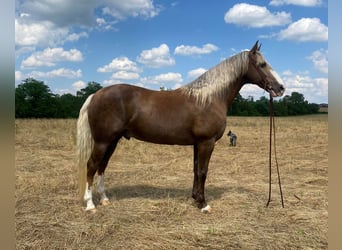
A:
x: 195, y: 184
x: 205, y: 150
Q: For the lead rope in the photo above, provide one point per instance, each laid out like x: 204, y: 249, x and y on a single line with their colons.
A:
x: 272, y: 126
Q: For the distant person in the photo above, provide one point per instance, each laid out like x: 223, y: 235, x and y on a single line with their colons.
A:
x: 232, y: 139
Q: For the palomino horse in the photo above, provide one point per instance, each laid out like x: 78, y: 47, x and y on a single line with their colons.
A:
x: 194, y: 114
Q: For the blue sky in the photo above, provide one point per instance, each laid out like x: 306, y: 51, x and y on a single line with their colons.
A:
x: 149, y: 43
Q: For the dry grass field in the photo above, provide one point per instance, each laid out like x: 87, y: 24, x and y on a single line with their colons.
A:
x: 149, y: 187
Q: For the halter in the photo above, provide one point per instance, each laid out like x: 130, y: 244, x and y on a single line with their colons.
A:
x: 262, y: 75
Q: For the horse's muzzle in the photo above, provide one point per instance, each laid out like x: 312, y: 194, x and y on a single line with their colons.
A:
x: 276, y: 92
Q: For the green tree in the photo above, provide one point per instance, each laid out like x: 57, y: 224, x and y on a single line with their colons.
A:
x: 313, y: 108
x: 297, y: 104
x: 34, y: 99
x: 280, y: 108
x: 235, y: 107
x: 91, y: 88
x: 70, y: 106
x: 262, y: 106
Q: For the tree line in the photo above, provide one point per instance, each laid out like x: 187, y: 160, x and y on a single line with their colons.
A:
x: 289, y: 105
x: 34, y: 99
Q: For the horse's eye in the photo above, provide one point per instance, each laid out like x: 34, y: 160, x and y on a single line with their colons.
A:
x: 263, y: 65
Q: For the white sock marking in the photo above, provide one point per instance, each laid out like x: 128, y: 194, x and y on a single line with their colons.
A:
x: 206, y: 209
x: 101, y: 188
x: 88, y: 198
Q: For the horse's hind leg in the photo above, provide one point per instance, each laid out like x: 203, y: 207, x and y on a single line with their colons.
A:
x: 101, y: 190
x: 97, y: 163
x: 100, y: 181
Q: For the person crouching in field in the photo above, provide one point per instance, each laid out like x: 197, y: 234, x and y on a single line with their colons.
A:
x: 232, y: 139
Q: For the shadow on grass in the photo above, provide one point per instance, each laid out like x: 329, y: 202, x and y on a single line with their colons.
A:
x: 154, y: 192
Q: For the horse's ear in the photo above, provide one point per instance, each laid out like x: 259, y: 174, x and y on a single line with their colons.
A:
x: 255, y: 47
x: 259, y: 47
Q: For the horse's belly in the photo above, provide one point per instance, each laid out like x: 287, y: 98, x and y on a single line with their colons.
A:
x: 163, y: 136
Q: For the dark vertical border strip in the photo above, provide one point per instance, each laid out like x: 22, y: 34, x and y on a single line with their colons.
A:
x: 335, y: 124
x: 7, y: 79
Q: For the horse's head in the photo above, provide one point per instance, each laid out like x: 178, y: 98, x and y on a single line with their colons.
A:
x: 261, y: 73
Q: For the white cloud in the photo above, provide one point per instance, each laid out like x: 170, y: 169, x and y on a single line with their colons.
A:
x: 322, y: 88
x: 120, y: 64
x: 130, y: 8
x: 62, y: 13
x: 320, y: 60
x: 169, y: 77
x: 61, y: 91
x: 49, y: 23
x: 66, y: 13
x: 255, y: 16
x: 298, y: 82
x: 156, y: 57
x: 193, y: 50
x: 76, y: 36
x: 123, y: 68
x: 307, y: 3
x: 177, y: 85
x: 40, y: 34
x: 125, y: 75
x: 50, y: 56
x: 163, y: 79
x: 305, y: 29
x: 101, y: 21
x: 193, y: 74
x: 18, y: 76
x: 78, y: 85
x: 314, y: 89
x: 252, y: 90
x: 111, y: 82
x: 106, y: 25
x: 118, y: 81
x: 61, y: 72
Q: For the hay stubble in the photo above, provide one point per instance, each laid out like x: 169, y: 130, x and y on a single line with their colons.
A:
x: 149, y: 187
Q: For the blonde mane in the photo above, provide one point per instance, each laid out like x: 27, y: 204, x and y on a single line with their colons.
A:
x: 217, y: 80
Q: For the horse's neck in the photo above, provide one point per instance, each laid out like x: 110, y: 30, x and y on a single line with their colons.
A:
x: 221, y: 83
x: 229, y: 74
x: 234, y: 89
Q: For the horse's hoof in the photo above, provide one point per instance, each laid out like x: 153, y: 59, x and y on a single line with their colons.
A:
x: 105, y: 202
x: 206, y: 209
x: 91, y: 210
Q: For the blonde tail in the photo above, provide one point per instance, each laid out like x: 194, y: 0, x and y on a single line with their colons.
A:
x: 84, y: 146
